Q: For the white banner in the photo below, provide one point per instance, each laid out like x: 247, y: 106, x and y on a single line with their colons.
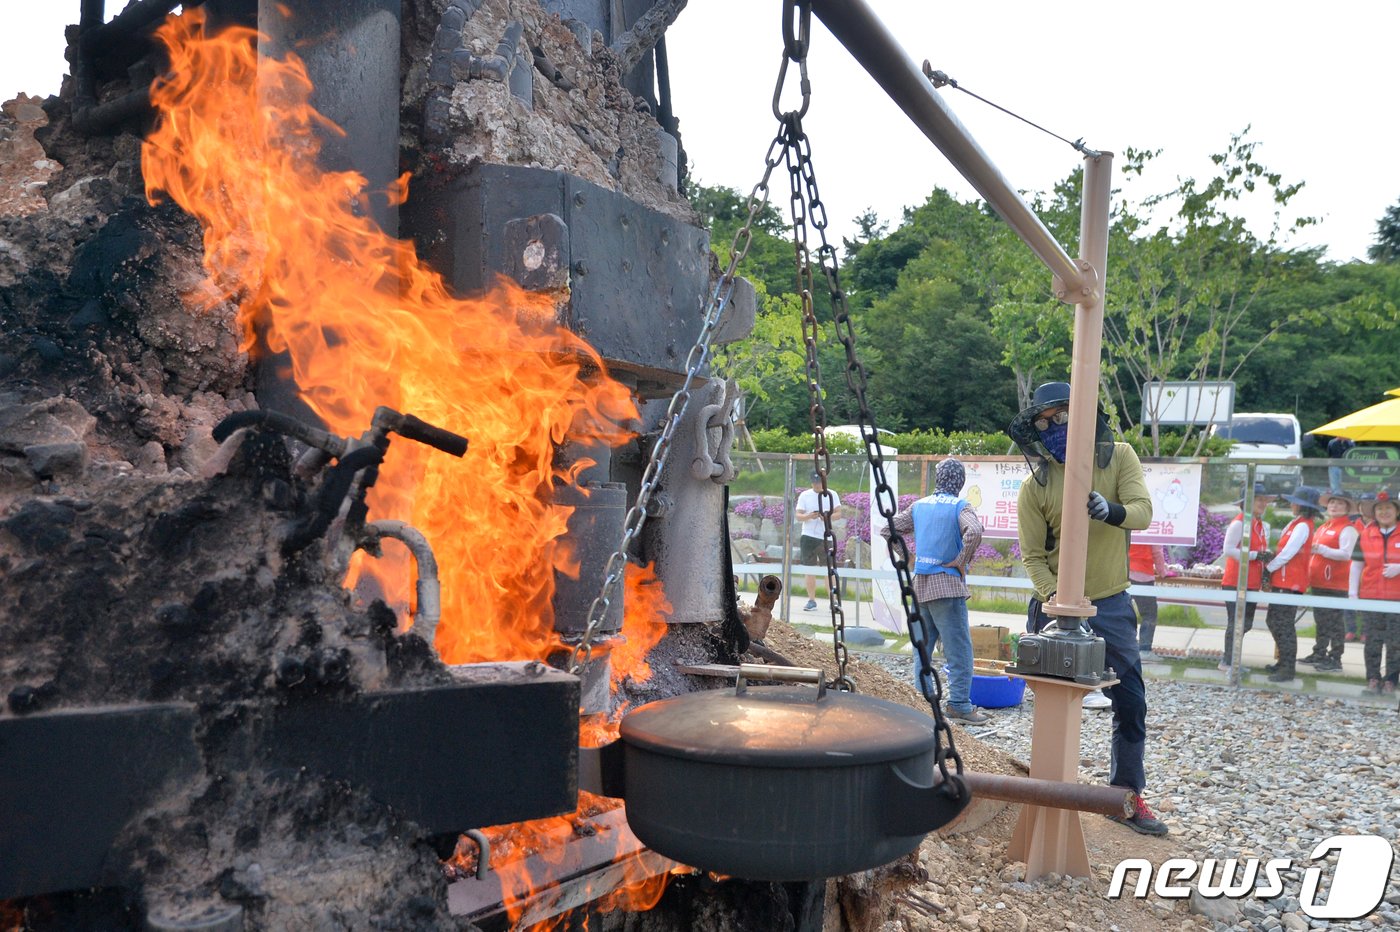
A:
x: 992, y: 490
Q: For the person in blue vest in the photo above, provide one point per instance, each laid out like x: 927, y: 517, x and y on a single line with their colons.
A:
x: 946, y: 535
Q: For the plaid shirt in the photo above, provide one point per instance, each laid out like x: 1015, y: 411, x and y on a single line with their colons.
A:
x: 930, y: 586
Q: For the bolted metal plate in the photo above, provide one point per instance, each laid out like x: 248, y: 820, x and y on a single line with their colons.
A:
x: 637, y: 279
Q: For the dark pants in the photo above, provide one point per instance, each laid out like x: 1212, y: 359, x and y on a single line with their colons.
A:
x: 1230, y: 624
x: 1147, y: 620
x: 1281, y: 619
x: 1331, y: 628
x: 1382, y: 630
x: 1117, y: 625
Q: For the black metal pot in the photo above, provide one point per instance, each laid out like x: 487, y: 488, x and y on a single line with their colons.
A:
x: 776, y: 783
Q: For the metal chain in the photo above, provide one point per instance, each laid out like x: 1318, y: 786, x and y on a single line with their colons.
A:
x: 931, y: 685
x: 699, y: 353
x: 821, y: 456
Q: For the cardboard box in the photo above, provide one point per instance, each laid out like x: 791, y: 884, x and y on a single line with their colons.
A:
x: 991, y: 642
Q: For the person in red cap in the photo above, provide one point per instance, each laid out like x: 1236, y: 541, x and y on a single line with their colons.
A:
x: 1329, y: 573
x: 1378, y: 552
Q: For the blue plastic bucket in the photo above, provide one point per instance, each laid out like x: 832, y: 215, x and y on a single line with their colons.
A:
x: 996, y: 692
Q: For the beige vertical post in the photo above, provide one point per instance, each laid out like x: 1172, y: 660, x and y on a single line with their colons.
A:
x: 1084, y: 384
x: 1052, y: 840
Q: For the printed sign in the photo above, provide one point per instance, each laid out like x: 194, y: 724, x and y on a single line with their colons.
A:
x: 992, y: 489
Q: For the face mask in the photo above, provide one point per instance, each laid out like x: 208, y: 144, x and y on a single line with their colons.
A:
x: 1054, y: 438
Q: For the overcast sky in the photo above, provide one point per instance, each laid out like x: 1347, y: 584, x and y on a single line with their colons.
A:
x: 1315, y: 81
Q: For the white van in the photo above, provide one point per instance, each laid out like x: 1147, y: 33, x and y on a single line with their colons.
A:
x: 1266, y: 437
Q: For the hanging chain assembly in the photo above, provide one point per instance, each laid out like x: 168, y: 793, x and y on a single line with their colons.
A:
x: 807, y: 205
x: 795, y: 49
x: 694, y: 362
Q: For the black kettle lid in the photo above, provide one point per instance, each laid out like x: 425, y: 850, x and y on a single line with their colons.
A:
x: 779, y: 726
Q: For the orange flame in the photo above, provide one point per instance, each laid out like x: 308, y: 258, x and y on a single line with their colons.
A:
x: 366, y: 323
x: 512, y: 846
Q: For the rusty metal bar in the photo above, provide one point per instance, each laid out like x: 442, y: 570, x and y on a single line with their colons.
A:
x: 1083, y: 797
x: 857, y: 28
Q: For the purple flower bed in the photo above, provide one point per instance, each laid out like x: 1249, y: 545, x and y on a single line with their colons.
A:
x: 749, y: 507
x: 1210, y: 537
x: 774, y: 512
x: 742, y: 535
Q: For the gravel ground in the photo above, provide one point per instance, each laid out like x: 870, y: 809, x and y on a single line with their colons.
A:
x: 1249, y: 774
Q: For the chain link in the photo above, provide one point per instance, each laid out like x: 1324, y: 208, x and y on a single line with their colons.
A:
x: 799, y: 151
x: 695, y: 360
x: 821, y: 455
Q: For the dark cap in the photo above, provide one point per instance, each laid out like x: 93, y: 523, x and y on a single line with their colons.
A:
x: 1049, y: 395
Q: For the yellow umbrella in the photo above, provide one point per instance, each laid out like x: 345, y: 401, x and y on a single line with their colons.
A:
x: 1378, y: 423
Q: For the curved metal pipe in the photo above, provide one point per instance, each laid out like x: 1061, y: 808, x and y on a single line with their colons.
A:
x: 429, y: 612
x: 483, y: 852
x: 761, y: 615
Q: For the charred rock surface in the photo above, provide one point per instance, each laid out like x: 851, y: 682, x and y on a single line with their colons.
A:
x: 577, y: 116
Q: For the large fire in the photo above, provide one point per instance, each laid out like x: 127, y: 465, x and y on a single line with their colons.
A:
x: 364, y: 323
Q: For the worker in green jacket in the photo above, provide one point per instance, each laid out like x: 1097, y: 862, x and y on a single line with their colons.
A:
x: 1118, y: 503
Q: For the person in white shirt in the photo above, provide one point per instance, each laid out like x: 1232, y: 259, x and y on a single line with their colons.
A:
x: 1254, y: 572
x: 1287, y: 571
x: 810, y: 506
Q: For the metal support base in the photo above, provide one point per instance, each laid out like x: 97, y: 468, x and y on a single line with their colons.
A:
x: 1051, y: 841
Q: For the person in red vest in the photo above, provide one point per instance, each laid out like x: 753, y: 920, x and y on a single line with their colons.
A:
x: 1254, y: 580
x: 1146, y: 564
x: 1288, y: 572
x: 1378, y: 552
x: 1329, y: 574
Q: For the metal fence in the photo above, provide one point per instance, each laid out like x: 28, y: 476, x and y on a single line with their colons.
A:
x: 764, y: 533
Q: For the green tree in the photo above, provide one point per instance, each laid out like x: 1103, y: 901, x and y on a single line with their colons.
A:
x: 1184, y: 300
x: 1387, y: 245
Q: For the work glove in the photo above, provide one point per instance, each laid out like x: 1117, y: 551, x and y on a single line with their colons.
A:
x: 1391, y: 570
x: 1101, y: 509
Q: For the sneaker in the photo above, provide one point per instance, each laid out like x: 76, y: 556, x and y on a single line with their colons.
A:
x: 1143, y: 820
x: 811, y: 606
x: 1328, y: 666
x: 1373, y: 687
x: 1097, y: 700
x: 1273, y: 667
x: 970, y: 717
x: 1310, y: 659
x: 1351, y: 635
x: 1387, y: 688
x: 1223, y: 667
x: 1282, y: 676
